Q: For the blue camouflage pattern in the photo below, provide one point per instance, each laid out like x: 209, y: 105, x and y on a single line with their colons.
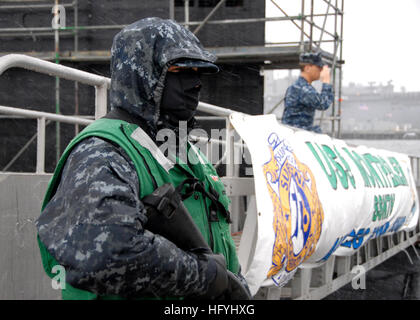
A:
x: 311, y: 58
x: 141, y: 54
x: 301, y: 102
x: 93, y: 225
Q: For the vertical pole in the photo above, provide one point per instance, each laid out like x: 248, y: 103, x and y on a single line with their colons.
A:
x: 229, y: 149
x: 187, y: 13
x: 302, y: 33
x: 100, y: 101
x: 40, y: 147
x: 212, y: 12
x: 172, y: 9
x: 312, y: 25
x: 301, y: 283
x: 334, y: 66
x: 236, y: 203
x: 418, y: 169
x: 341, y: 70
x: 76, y: 25
x: 412, y: 166
x: 323, y: 25
x: 230, y: 171
x: 209, y: 147
x: 57, y: 84
x: 76, y: 49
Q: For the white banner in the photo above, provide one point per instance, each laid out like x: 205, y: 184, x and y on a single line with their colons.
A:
x: 317, y: 196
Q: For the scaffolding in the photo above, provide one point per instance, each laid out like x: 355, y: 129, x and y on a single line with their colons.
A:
x: 314, y: 35
x: 308, y: 283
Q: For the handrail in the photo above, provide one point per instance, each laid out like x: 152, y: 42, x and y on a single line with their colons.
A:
x: 100, y: 83
x: 41, y: 124
x: 214, y: 110
x: 45, y: 115
x: 53, y: 69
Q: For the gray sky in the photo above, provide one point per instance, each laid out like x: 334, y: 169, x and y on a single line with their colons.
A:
x: 381, y: 39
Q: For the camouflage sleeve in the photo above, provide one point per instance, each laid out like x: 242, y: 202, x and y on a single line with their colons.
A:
x: 320, y: 101
x: 93, y: 226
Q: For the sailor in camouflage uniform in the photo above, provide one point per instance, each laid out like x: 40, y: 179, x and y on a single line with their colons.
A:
x: 302, y: 99
x: 93, y: 218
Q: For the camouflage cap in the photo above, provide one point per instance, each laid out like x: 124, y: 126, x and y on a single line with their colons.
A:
x: 311, y: 58
x: 204, y: 67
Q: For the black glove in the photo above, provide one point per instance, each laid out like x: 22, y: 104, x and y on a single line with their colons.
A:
x: 226, y: 285
x: 236, y: 290
x: 220, y: 283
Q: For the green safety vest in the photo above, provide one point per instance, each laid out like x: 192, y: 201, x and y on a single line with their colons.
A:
x: 139, y: 147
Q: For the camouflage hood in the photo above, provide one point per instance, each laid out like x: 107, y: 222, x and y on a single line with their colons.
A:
x: 140, y: 57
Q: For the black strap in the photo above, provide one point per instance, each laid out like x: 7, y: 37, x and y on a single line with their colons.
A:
x: 165, y: 203
x: 196, y: 185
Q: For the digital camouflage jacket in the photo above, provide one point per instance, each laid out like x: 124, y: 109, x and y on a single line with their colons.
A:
x: 93, y: 225
x: 301, y: 102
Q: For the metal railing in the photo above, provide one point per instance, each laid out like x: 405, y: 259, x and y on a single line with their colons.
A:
x: 308, y: 283
x: 305, y: 22
x: 100, y: 83
x: 42, y: 117
x: 319, y: 282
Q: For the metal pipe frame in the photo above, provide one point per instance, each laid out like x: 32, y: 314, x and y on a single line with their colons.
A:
x: 100, y: 83
x: 32, y: 6
x: 76, y: 49
x: 40, y: 153
x: 323, y: 25
x: 57, y: 83
x: 367, y: 262
x: 65, y: 34
x: 187, y: 13
x: 302, y: 17
x: 22, y: 150
x: 337, y: 40
x: 17, y: 31
x: 48, y: 116
x: 336, y: 8
x: 172, y: 9
x: 41, y: 125
x: 311, y: 25
x: 327, y: 284
x: 212, y: 12
x: 340, y: 84
x: 300, y: 286
x: 307, y: 285
x: 52, y: 69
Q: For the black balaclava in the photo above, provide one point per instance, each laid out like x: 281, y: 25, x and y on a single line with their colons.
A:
x: 140, y: 57
x: 180, y: 97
